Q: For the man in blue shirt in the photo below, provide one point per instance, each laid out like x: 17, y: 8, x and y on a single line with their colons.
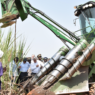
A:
x: 24, y: 66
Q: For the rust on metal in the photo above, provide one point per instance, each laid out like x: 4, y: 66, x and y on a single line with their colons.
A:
x: 9, y: 18
x: 8, y: 24
x: 40, y: 91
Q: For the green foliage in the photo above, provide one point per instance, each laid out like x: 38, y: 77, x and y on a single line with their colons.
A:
x: 7, y: 46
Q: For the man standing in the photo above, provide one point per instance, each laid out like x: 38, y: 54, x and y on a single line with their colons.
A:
x: 29, y: 70
x: 1, y: 73
x: 24, y: 66
x: 45, y: 60
x: 32, y: 56
x: 2, y: 70
x: 36, y: 66
x: 39, y: 56
x: 13, y: 70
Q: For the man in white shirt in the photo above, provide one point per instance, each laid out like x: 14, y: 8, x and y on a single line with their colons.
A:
x: 32, y: 56
x: 39, y: 56
x: 36, y: 66
x: 24, y: 66
x: 29, y: 70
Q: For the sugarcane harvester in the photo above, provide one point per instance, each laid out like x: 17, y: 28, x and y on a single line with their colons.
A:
x: 58, y: 69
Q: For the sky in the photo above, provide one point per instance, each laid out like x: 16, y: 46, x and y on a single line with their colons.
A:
x: 42, y: 40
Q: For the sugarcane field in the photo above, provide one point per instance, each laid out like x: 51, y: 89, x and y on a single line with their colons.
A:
x: 47, y: 47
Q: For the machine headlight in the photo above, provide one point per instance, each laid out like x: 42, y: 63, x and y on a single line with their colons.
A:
x: 90, y: 5
x: 83, y: 7
x: 86, y: 6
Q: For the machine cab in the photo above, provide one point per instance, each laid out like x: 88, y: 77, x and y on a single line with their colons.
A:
x: 86, y: 14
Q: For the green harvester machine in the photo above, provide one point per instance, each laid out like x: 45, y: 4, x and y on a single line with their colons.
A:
x: 69, y: 70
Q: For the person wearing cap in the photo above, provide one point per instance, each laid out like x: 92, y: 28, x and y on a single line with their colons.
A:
x: 39, y: 56
x: 2, y: 70
x: 24, y: 66
x: 36, y: 66
x: 29, y: 59
x: 45, y: 59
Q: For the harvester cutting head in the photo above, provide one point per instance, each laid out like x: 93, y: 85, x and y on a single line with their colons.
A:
x: 86, y: 16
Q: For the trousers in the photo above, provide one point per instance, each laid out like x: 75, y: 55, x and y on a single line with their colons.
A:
x: 23, y: 76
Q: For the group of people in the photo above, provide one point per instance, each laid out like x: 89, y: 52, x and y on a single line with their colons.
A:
x: 27, y: 67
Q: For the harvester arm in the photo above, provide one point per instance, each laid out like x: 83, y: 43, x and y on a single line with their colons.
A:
x: 23, y: 8
x: 50, y: 19
x: 55, y: 30
x: 35, y: 13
